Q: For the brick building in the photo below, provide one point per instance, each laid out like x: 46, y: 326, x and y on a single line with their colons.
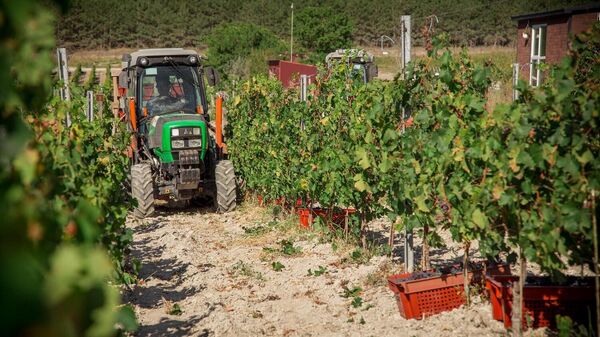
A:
x: 544, y: 37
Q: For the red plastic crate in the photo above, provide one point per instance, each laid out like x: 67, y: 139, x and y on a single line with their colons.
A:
x: 428, y: 296
x: 541, y: 303
x: 304, y: 214
x: 338, y: 216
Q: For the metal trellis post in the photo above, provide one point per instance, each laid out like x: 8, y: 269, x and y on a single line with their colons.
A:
x: 409, y: 253
x: 90, y: 105
x: 515, y: 81
x: 63, y: 75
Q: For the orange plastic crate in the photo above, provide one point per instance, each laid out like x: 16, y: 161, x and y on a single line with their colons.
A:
x: 428, y: 296
x: 541, y: 303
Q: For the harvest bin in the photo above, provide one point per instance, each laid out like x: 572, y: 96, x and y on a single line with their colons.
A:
x: 543, y: 300
x: 427, y: 296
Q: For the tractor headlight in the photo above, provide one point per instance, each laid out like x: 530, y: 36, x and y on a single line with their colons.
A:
x: 195, y: 142
x: 176, y: 144
x: 174, y: 132
x: 196, y: 131
x: 144, y: 61
x: 192, y: 59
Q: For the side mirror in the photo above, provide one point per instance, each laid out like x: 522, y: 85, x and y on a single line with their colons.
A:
x: 123, y: 81
x: 212, y: 76
x: 373, y: 71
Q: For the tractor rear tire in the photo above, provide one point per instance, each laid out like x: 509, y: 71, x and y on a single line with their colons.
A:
x: 226, y: 192
x: 142, y: 190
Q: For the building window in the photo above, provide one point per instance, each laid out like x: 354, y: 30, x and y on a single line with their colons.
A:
x: 538, y: 54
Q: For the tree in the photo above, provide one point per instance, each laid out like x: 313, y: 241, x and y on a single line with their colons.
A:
x: 321, y: 29
x: 230, y: 44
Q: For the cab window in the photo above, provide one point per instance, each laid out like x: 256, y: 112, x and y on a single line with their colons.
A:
x: 168, y: 87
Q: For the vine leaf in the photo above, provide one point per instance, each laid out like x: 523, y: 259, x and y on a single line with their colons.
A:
x: 420, y: 201
x: 385, y: 164
x: 585, y: 158
x: 360, y: 184
x: 479, y: 219
x: 363, y: 158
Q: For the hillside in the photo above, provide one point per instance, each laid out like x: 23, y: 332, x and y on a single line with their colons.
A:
x: 104, y: 24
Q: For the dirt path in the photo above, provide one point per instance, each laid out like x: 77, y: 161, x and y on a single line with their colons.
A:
x: 218, y: 269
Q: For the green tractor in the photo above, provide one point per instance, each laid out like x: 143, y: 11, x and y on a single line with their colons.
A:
x: 176, y: 153
x: 362, y: 63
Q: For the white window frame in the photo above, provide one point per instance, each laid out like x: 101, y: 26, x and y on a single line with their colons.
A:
x: 535, y: 78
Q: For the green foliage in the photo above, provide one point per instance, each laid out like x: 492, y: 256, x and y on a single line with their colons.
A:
x: 242, y: 49
x: 323, y: 29
x: 587, y: 48
x: 290, y: 148
x: 268, y: 154
x: 351, y: 292
x: 277, y: 266
x: 518, y: 176
x: 288, y: 248
x: 244, y: 269
x: 357, y: 302
x: 567, y: 328
x: 150, y: 23
x: 318, y: 272
x: 175, y: 310
x: 63, y: 235
x: 358, y: 256
x: 551, y: 161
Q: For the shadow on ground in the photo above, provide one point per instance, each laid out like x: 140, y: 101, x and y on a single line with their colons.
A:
x: 177, y: 327
x: 173, y: 328
x: 159, y: 276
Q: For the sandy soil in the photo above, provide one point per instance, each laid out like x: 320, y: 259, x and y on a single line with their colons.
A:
x: 218, y: 269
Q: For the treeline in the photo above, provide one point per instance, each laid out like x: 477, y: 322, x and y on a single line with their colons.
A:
x: 101, y: 24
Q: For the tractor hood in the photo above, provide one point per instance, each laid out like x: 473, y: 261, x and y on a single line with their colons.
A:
x: 159, y: 132
x: 158, y: 125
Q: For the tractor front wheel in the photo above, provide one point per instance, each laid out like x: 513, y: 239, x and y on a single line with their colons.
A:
x: 226, y: 192
x: 142, y: 190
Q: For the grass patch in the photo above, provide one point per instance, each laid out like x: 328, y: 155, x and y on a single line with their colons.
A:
x: 277, y: 266
x: 261, y: 229
x: 288, y: 248
x: 351, y: 292
x: 388, y: 66
x: 242, y: 268
x: 318, y: 272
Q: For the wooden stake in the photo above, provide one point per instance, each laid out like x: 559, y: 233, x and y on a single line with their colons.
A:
x: 466, y: 273
x: 523, y: 278
x: 391, y: 239
x: 517, y: 314
x: 363, y: 231
x: 425, y: 249
x: 346, y: 224
x: 516, y: 310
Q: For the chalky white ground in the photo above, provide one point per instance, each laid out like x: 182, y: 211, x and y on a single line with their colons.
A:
x: 189, y: 258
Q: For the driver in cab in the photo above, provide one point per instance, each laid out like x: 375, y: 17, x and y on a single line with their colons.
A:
x: 165, y: 101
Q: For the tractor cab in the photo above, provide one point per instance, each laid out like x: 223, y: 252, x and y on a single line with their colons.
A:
x: 176, y: 155
x: 362, y: 63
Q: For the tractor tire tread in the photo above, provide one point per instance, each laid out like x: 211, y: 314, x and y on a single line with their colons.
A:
x: 142, y: 190
x: 226, y: 194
